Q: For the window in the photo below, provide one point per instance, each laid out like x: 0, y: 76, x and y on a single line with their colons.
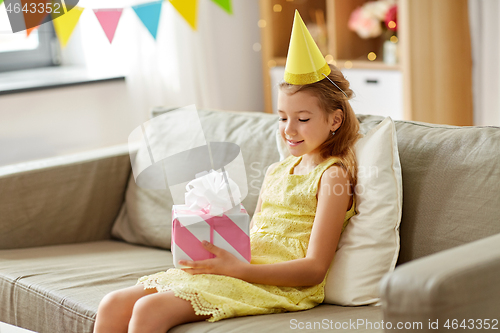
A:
x: 40, y: 49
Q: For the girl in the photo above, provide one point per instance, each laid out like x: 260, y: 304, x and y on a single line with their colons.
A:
x: 304, y: 205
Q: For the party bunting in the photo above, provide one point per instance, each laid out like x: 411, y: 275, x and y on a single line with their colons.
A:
x: 188, y: 10
x: 149, y: 14
x: 109, y: 18
x: 65, y: 24
x: 225, y: 4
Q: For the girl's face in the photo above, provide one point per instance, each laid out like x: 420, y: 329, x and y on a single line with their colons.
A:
x: 302, y: 123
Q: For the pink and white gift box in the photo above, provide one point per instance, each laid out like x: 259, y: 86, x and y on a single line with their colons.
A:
x: 230, y: 231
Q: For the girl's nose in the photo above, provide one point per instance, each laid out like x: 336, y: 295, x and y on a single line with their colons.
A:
x: 290, y: 129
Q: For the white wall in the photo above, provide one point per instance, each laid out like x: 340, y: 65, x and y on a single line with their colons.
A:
x: 51, y: 122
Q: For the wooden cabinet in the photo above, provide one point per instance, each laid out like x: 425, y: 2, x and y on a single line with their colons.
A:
x: 434, y: 51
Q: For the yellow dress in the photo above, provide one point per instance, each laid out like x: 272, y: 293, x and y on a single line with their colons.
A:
x: 280, y: 233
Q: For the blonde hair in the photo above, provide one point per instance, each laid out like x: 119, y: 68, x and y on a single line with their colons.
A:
x: 330, y: 99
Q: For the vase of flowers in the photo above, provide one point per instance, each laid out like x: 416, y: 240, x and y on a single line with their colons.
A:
x: 375, y: 19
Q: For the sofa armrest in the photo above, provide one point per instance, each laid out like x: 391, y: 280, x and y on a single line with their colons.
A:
x: 459, y: 283
x: 61, y: 200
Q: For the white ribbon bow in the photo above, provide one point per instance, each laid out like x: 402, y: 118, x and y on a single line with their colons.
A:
x: 210, y: 191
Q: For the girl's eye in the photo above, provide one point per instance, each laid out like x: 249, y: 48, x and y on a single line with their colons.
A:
x: 302, y: 120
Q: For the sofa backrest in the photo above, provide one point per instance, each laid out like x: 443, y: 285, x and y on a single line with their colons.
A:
x: 451, y: 185
x: 451, y: 175
x: 63, y: 199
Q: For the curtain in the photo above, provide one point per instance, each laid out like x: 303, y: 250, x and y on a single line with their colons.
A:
x: 485, y: 38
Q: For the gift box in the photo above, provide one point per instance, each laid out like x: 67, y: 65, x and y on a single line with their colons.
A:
x: 229, y: 231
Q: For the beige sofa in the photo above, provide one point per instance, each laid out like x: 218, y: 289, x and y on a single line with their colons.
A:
x: 58, y: 257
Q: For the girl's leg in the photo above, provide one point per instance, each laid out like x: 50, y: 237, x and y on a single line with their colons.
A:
x: 159, y: 312
x: 115, y: 309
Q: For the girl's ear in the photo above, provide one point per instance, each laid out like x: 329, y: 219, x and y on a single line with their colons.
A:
x: 338, y: 118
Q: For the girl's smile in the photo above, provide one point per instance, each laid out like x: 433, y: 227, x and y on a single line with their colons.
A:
x: 294, y: 143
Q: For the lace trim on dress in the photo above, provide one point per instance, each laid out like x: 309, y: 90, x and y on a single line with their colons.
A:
x: 200, y: 305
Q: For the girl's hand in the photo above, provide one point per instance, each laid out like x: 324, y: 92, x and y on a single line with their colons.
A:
x: 224, y: 263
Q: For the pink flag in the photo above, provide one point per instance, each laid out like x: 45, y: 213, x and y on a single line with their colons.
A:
x: 109, y: 20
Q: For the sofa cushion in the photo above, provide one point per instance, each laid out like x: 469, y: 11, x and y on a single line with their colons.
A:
x: 369, y: 247
x: 325, y: 317
x: 57, y: 289
x: 145, y: 216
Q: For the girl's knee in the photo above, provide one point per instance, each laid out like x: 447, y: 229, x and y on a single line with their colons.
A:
x: 163, y: 310
x: 121, y: 300
x: 112, y: 299
x: 147, y: 315
x: 144, y: 307
x: 108, y: 301
x: 112, y: 313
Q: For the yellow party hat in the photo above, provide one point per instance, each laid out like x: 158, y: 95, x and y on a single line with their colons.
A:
x: 304, y: 63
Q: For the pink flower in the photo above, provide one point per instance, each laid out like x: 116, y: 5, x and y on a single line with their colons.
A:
x: 364, y: 24
x: 392, y: 15
x: 378, y: 9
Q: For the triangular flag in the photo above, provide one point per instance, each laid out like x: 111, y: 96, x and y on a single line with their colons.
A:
x: 149, y: 14
x: 34, y: 18
x: 304, y: 62
x: 29, y: 30
x: 109, y: 18
x: 225, y: 4
x: 188, y: 9
x: 65, y: 24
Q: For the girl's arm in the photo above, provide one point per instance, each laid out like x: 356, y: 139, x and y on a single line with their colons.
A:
x: 259, y: 201
x: 333, y: 199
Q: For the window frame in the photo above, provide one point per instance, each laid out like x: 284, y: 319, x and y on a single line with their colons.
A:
x: 46, y: 54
